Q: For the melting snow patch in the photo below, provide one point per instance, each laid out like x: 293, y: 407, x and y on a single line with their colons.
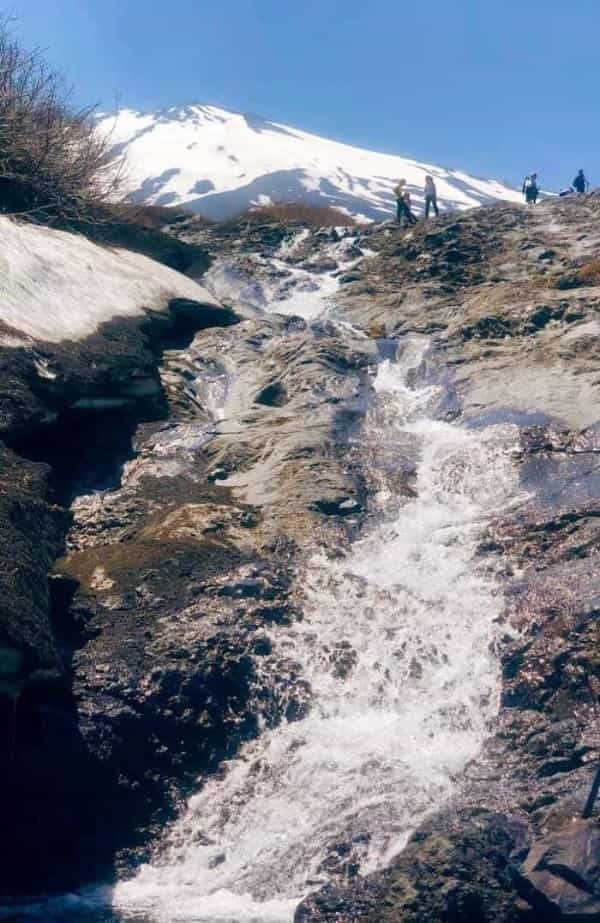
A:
x: 57, y: 286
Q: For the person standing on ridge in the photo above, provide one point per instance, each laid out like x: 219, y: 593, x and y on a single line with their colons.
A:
x: 430, y: 197
x: 403, y: 210
x: 580, y: 183
x: 531, y: 189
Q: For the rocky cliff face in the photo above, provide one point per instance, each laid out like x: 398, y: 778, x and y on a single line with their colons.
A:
x: 174, y: 477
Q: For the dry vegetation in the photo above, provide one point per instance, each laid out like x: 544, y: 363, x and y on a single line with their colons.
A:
x: 586, y: 274
x: 589, y: 273
x: 156, y: 217
x: 318, y: 216
x: 54, y: 167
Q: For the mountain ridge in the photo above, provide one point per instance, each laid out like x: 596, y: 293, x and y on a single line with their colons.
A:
x: 219, y: 163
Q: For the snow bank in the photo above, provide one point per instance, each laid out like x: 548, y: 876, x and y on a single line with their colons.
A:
x: 58, y: 286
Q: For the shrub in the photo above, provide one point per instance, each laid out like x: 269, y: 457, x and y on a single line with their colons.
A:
x: 589, y: 273
x: 317, y: 216
x: 586, y: 274
x: 54, y: 167
x: 156, y: 217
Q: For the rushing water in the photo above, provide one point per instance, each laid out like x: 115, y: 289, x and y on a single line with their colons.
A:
x: 397, y: 644
x: 276, y: 285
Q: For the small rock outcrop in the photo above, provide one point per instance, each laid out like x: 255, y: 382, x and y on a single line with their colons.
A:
x: 561, y: 874
x: 457, y: 870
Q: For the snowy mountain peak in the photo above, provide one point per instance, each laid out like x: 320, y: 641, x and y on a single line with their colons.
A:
x: 219, y: 163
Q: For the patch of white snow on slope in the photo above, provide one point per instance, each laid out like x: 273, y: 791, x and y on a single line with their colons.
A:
x: 58, y: 286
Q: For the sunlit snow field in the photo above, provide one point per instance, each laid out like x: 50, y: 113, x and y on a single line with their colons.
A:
x: 219, y: 162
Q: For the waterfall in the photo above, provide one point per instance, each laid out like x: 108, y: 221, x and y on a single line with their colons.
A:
x: 397, y: 645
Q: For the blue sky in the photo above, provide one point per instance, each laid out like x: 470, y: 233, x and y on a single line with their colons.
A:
x: 497, y: 88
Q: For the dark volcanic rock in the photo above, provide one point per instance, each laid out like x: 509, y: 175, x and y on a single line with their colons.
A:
x: 155, y: 626
x: 32, y: 532
x: 458, y: 872
x: 116, y: 367
x: 74, y: 405
x: 561, y: 875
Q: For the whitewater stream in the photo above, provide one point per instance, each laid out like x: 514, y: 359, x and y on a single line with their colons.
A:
x: 278, y: 285
x: 397, y: 644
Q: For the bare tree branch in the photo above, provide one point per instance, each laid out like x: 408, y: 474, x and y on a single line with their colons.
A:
x: 54, y: 165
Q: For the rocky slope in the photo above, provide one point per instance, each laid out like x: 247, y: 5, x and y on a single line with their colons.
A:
x: 511, y: 298
x: 145, y: 659
x: 231, y: 446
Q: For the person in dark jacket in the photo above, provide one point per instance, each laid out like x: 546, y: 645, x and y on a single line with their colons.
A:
x: 403, y: 210
x: 580, y: 183
x: 531, y: 188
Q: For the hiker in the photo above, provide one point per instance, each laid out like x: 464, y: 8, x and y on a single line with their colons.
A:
x: 403, y: 210
x: 430, y: 197
x: 580, y: 183
x: 531, y: 188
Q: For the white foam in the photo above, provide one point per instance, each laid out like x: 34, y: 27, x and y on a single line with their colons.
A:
x: 397, y: 643
x: 301, y: 293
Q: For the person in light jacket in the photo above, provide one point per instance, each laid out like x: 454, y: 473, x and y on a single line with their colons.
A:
x: 403, y: 210
x: 430, y: 197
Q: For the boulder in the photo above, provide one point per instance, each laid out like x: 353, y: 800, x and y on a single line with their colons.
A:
x: 453, y: 871
x: 561, y: 874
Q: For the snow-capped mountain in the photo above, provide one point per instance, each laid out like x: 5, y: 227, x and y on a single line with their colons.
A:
x: 219, y: 163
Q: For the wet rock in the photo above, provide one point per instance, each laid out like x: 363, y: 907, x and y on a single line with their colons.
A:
x: 116, y: 367
x: 321, y: 265
x: 523, y: 354
x: 479, y: 287
x: 341, y: 506
x: 283, y: 457
x: 69, y: 410
x: 172, y: 572
x: 561, y: 875
x: 353, y: 276
x: 458, y: 875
